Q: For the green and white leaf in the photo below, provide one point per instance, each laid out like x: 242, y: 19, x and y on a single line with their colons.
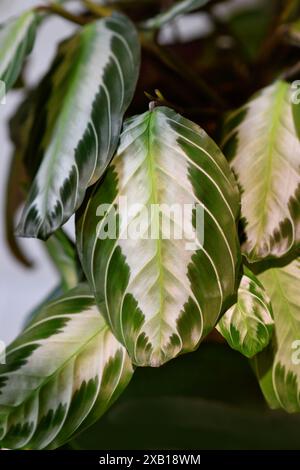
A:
x: 281, y: 381
x: 53, y: 294
x: 62, y: 253
x: 93, y: 82
x: 248, y: 325
x: 16, y: 38
x: 264, y: 148
x: 262, y: 366
x: 62, y: 374
x: 161, y: 289
x: 179, y: 8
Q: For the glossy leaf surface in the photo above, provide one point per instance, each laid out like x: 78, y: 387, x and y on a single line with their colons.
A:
x: 248, y: 325
x: 61, y: 375
x: 264, y: 148
x: 93, y: 80
x: 280, y: 375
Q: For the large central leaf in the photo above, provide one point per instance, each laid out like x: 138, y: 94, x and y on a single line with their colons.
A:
x: 161, y: 293
x: 93, y: 81
x: 62, y: 373
x: 263, y: 144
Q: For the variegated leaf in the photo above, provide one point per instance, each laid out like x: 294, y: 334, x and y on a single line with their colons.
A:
x: 280, y: 379
x: 62, y: 373
x: 262, y: 143
x: 262, y: 367
x: 93, y: 81
x: 248, y: 325
x: 181, y: 7
x: 53, y: 294
x: 62, y: 253
x: 160, y: 293
x: 16, y: 40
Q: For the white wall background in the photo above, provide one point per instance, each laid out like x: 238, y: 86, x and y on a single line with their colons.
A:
x: 20, y: 288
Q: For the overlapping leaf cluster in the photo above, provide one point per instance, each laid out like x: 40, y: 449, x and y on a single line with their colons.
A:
x: 143, y: 301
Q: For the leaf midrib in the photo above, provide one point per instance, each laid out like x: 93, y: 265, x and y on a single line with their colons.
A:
x: 85, y: 39
x: 154, y: 200
x: 285, y: 301
x: 275, y: 113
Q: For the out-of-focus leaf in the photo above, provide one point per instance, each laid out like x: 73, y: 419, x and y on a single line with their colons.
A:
x: 161, y: 288
x: 248, y: 325
x: 262, y: 144
x: 293, y: 31
x: 291, y: 11
x: 181, y: 7
x: 209, y: 399
x: 250, y: 25
x: 93, y: 81
x: 16, y: 40
x: 281, y: 379
x: 134, y: 2
x: 62, y: 252
x: 13, y: 198
x: 18, y: 179
x: 61, y: 375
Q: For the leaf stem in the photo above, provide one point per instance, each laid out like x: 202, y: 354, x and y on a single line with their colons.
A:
x: 98, y: 10
x: 60, y: 11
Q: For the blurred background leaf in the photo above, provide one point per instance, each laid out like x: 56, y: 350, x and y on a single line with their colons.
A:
x: 63, y: 254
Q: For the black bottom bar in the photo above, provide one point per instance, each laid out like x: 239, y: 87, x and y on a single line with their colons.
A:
x: 136, y: 459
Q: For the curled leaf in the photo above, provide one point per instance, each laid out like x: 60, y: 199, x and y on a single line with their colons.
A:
x: 248, y: 325
x: 92, y: 83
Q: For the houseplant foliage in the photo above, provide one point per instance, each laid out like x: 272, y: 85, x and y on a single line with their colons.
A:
x: 221, y: 133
